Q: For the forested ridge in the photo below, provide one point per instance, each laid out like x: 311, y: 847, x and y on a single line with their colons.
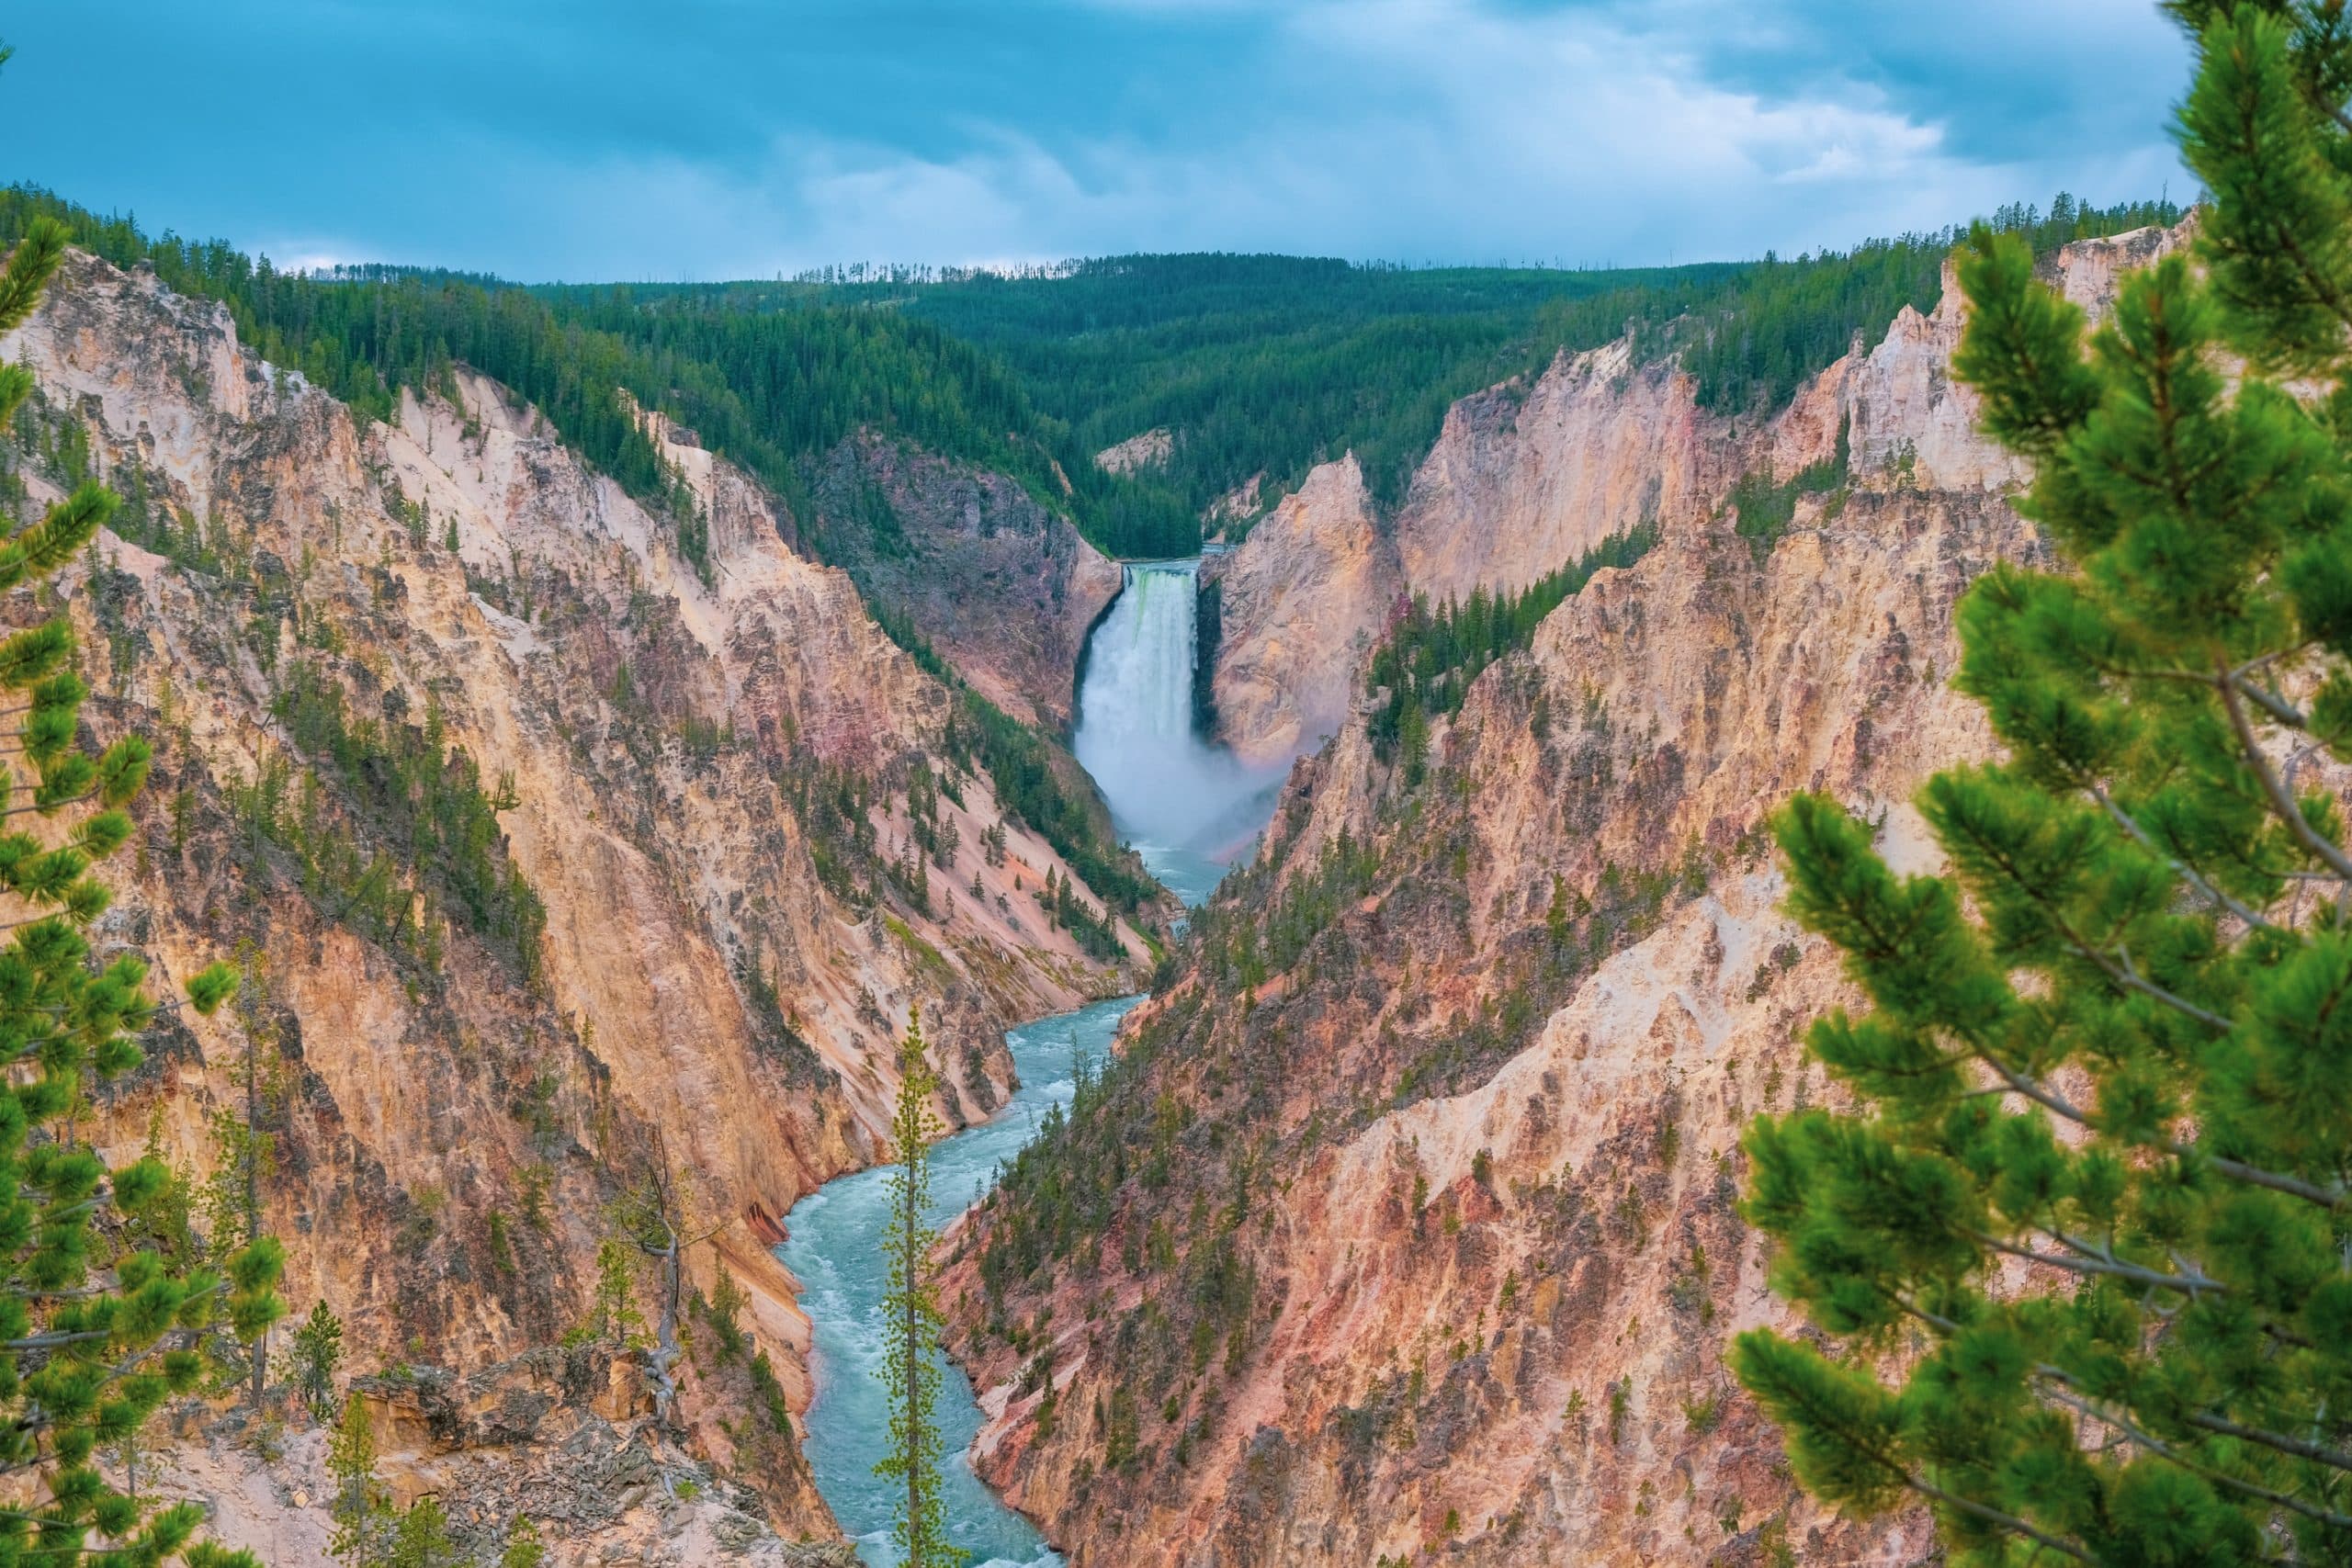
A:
x: 768, y: 390
x: 1266, y: 364
x: 1256, y: 364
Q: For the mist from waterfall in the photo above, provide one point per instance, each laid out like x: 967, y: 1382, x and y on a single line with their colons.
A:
x: 1188, y: 807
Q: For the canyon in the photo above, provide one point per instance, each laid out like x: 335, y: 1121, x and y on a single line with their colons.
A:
x: 686, y: 785
x: 1406, y: 1228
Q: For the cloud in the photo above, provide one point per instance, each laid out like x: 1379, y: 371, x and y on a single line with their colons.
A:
x: 1414, y: 129
x: 598, y: 139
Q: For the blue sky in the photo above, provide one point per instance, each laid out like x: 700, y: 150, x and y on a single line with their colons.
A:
x: 704, y: 139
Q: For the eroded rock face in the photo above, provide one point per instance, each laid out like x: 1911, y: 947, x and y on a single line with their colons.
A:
x: 1524, y: 480
x: 1302, y: 601
x: 698, y: 781
x: 1148, y: 450
x: 564, y: 1438
x: 1424, y: 1236
x: 1527, y: 477
x: 1002, y: 585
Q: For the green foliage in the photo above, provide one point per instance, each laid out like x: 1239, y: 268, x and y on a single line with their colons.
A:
x: 245, y: 1161
x: 421, y: 1538
x: 1260, y: 364
x: 524, y: 1548
x: 613, y: 1316
x: 769, y: 390
x: 1034, y: 781
x: 367, y: 339
x: 1763, y: 507
x: 1244, y: 942
x: 1047, y: 793
x: 911, y: 1320
x: 1120, y: 1449
x: 317, y: 1357
x: 361, y: 1509
x: 2116, y: 1039
x: 722, y: 1313
x: 422, y: 816
x: 772, y: 388
x: 95, y: 1330
x: 1268, y: 364
x: 1432, y: 655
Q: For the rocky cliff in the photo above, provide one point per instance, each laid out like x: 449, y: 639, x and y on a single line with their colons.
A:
x: 555, y: 868
x: 999, y: 583
x: 1523, y: 478
x: 1301, y: 601
x: 1404, y: 1229
x: 1527, y: 477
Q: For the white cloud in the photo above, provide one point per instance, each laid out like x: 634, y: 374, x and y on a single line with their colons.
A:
x: 1415, y: 129
x: 1411, y: 129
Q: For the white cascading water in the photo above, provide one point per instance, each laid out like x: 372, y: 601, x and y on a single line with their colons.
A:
x: 1188, y: 807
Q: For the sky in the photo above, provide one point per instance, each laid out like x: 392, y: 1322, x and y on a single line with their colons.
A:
x: 696, y: 140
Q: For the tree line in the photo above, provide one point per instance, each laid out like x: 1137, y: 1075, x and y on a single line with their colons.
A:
x: 1263, y: 365
x: 770, y: 391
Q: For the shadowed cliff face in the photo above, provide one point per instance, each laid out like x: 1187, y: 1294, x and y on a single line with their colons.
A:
x: 1406, y: 1223
x: 704, y: 788
x: 999, y: 583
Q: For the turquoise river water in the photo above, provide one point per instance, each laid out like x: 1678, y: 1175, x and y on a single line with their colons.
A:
x: 835, y: 1246
x: 1189, y: 808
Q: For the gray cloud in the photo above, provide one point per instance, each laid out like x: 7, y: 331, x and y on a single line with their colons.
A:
x: 730, y: 137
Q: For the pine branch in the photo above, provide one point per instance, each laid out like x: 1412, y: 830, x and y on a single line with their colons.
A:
x: 2162, y: 1450
x: 29, y: 267
x: 2282, y: 803
x: 2191, y: 1285
x: 2271, y: 701
x: 1991, y: 1516
x: 2123, y: 975
x: 2220, y: 1425
x: 52, y: 808
x: 2124, y: 972
x: 51, y: 1341
x: 2335, y: 1459
x: 2142, y: 837
x: 2254, y: 1176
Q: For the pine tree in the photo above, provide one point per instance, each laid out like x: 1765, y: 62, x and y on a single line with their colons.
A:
x: 361, y: 1513
x: 2115, y: 1041
x: 613, y: 1317
x: 246, y: 1148
x: 911, y: 1313
x: 95, y: 1334
x: 422, y: 1540
x: 318, y: 1353
x: 524, y: 1548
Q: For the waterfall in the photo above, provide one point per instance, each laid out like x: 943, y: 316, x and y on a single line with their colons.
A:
x: 1187, y: 804
x: 1139, y: 696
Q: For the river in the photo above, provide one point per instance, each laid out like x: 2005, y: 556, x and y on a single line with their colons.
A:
x: 835, y: 1246
x: 1189, y: 809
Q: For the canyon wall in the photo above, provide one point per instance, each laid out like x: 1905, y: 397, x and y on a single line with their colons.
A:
x: 1528, y: 476
x: 998, y: 582
x: 652, y: 916
x: 1523, y: 478
x: 1301, y: 601
x: 1406, y: 1230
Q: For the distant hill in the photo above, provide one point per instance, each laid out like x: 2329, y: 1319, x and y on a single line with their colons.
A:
x: 1258, y: 366
x: 1264, y: 364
